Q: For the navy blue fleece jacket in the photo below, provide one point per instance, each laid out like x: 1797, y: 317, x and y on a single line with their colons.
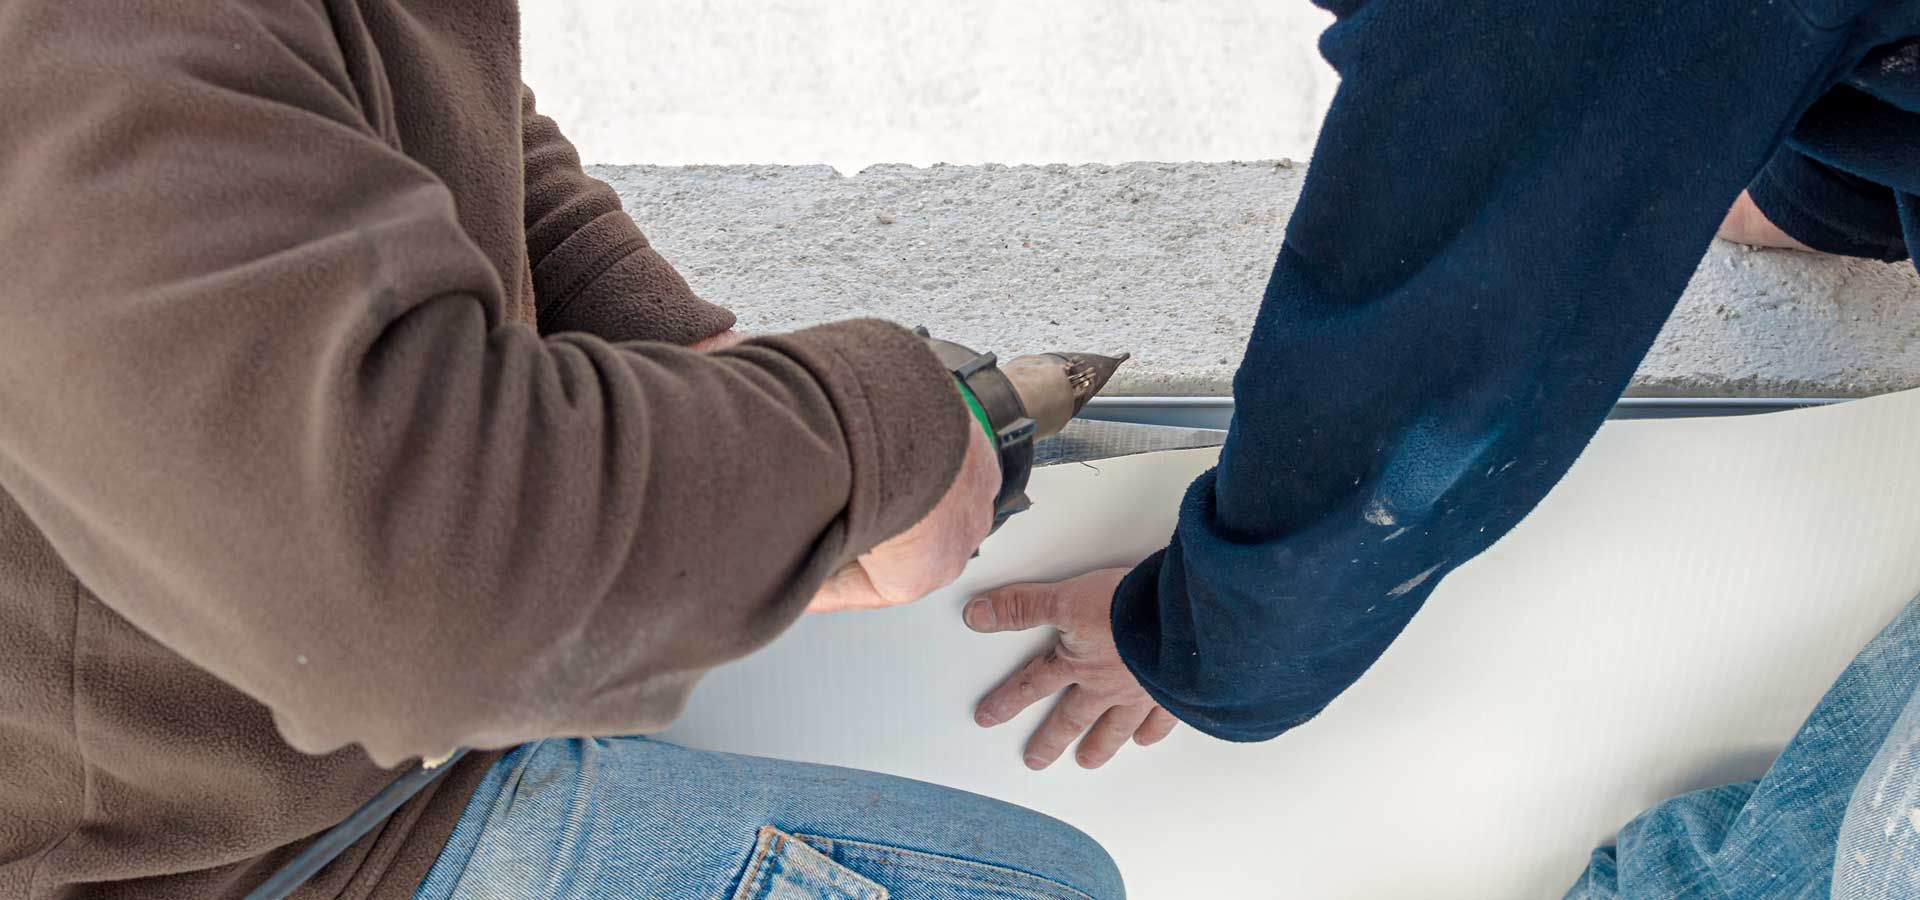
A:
x: 1506, y: 200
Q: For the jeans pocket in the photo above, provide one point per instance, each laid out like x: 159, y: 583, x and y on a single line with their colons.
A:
x: 783, y: 867
x: 920, y: 874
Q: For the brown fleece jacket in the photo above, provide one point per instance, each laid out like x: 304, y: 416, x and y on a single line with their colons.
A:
x: 287, y: 469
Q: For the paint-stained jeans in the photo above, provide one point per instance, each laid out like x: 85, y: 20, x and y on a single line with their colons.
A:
x: 1838, y: 811
x: 635, y: 818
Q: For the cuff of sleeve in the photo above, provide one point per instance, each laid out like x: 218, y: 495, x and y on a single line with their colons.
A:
x: 1828, y: 210
x: 906, y: 427
x: 1129, y: 618
x: 1133, y: 597
x: 606, y: 280
x: 1133, y: 601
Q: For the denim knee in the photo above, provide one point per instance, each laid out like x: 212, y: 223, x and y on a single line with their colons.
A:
x: 1880, y: 833
x: 1063, y: 853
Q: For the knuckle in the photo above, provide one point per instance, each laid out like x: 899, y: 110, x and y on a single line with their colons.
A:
x: 1006, y: 602
x: 1016, y: 605
x: 1036, y: 604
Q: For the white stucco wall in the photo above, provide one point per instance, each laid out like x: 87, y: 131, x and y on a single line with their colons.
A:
x: 855, y: 82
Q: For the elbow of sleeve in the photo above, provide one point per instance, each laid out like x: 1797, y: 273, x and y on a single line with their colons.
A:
x: 406, y: 711
x: 417, y: 679
x: 379, y: 722
x: 422, y: 683
x: 394, y: 708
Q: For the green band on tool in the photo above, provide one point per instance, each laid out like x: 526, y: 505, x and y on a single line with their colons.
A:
x: 979, y: 415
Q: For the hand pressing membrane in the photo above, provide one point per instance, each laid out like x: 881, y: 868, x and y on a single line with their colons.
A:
x: 1103, y: 700
x: 930, y: 555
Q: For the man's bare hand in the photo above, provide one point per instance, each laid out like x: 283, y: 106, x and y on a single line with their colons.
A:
x: 1103, y: 699
x: 930, y: 555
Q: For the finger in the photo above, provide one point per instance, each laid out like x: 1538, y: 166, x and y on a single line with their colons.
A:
x: 1015, y: 607
x: 1110, y: 734
x: 1159, y: 724
x: 1040, y: 677
x: 1074, y: 714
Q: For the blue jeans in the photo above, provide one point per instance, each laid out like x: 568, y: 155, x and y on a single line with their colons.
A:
x: 582, y: 819
x: 1838, y: 812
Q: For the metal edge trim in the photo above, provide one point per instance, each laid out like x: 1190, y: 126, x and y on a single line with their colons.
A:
x: 1213, y: 412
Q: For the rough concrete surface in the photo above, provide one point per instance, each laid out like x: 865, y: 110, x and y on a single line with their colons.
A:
x: 1168, y: 260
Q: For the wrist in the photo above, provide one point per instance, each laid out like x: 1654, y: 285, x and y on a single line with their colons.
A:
x: 974, y: 409
x: 718, y: 341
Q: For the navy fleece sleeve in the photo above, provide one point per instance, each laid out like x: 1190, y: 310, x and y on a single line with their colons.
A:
x: 1827, y: 209
x: 1505, y: 202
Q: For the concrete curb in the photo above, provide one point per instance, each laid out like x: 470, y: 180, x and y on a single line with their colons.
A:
x: 1168, y: 260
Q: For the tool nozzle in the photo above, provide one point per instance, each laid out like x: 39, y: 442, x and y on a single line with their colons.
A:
x: 1089, y: 372
x: 1054, y: 387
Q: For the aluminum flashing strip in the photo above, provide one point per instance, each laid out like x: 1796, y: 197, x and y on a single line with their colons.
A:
x: 1085, y: 440
x: 1214, y: 412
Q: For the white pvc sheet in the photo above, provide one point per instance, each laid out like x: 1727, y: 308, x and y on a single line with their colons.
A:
x: 1663, y: 622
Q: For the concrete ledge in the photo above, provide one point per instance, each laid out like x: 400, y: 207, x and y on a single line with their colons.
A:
x: 1169, y: 260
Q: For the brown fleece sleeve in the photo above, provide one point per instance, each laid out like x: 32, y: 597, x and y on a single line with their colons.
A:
x: 256, y: 387
x: 593, y: 270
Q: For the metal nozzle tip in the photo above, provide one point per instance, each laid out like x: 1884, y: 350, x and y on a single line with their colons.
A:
x: 1089, y: 372
x: 1054, y: 387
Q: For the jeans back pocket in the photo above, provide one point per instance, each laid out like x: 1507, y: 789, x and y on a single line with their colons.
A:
x: 783, y: 867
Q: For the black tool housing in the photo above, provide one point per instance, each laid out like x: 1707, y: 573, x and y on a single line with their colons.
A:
x: 1013, y: 429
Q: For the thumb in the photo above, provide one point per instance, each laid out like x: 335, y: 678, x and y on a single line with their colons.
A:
x: 848, y: 589
x: 1015, y: 607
